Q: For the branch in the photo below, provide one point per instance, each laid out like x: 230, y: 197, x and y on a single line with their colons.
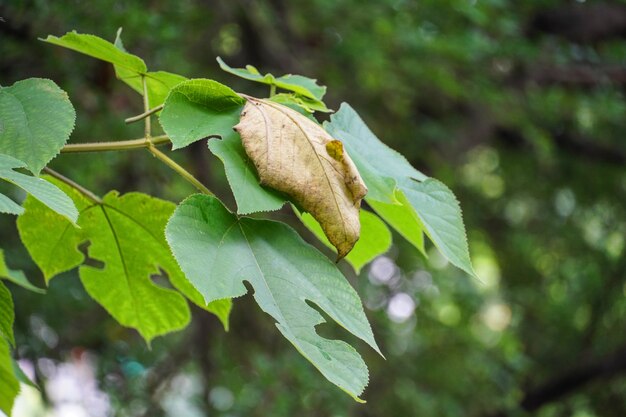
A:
x: 121, y: 145
x: 179, y: 169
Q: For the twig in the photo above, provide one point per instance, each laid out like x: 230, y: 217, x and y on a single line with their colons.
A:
x: 143, y: 115
x: 74, y: 185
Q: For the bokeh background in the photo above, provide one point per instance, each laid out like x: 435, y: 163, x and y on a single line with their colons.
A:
x: 517, y: 105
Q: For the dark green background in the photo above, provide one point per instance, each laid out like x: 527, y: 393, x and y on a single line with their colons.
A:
x: 517, y: 105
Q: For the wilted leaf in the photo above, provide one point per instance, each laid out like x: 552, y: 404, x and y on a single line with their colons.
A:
x: 36, y: 119
x: 218, y: 251
x: 296, y: 156
x: 126, y: 234
x: 39, y: 188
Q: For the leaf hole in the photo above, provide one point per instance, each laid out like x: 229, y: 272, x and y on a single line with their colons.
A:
x: 89, y: 261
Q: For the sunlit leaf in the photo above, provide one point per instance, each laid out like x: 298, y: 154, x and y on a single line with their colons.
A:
x: 125, y: 234
x: 16, y: 277
x: 375, y: 238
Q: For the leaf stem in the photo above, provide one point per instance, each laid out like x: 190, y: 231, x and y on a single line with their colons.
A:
x: 115, y: 145
x: 179, y: 169
x: 146, y: 109
x: 74, y: 185
x: 143, y: 115
x: 272, y: 90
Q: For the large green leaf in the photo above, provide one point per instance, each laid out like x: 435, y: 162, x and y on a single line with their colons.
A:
x: 7, y: 315
x: 241, y: 174
x: 306, y: 87
x: 375, y: 238
x: 126, y: 234
x: 385, y: 170
x: 36, y: 119
x: 9, y: 384
x: 16, y: 277
x: 219, y: 251
x: 39, y: 188
x: 200, y: 108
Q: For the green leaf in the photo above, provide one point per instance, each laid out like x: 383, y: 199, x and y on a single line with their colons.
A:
x: 126, y: 234
x: 101, y: 49
x: 158, y: 83
x: 128, y: 67
x: 9, y: 206
x: 244, y: 182
x: 375, y: 238
x: 300, y: 104
x: 7, y: 315
x: 51, y: 240
x: 21, y: 376
x: 434, y: 204
x: 219, y: 251
x: 36, y: 119
x: 9, y: 384
x: 403, y: 219
x: 440, y: 213
x: 200, y: 108
x: 306, y: 87
x: 39, y: 188
x: 16, y: 277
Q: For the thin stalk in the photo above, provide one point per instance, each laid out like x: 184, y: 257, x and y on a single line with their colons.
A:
x: 272, y: 90
x: 143, y: 115
x: 146, y: 109
x: 121, y: 145
x: 179, y: 169
x: 74, y: 185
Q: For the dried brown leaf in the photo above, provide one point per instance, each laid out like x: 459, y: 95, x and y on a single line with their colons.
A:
x: 295, y: 155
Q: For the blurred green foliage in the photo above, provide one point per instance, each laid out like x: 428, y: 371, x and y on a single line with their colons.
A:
x: 517, y: 106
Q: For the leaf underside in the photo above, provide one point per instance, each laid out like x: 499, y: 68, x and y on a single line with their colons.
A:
x: 39, y: 188
x: 219, y: 251
x: 386, y: 172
